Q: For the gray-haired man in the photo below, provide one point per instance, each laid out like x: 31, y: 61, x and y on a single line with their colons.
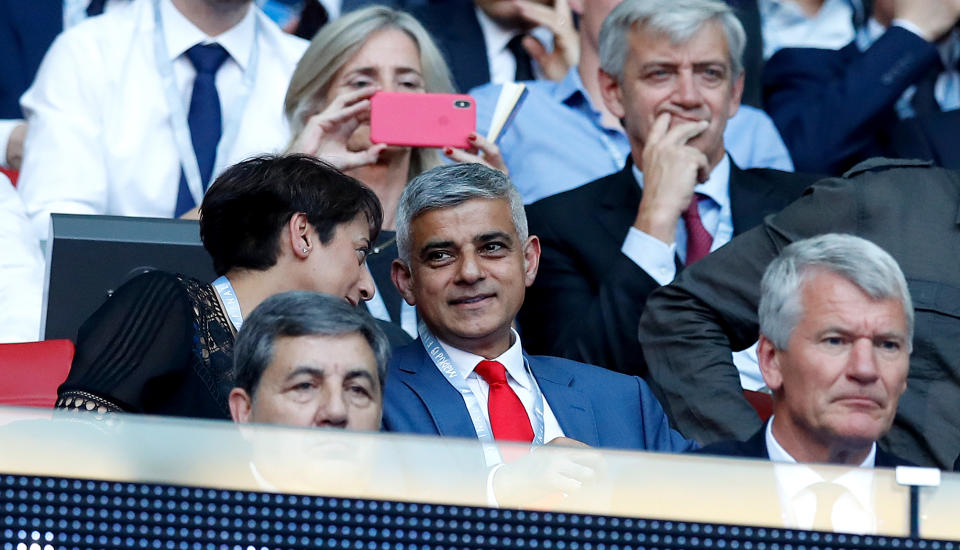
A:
x: 309, y: 359
x: 672, y: 71
x: 836, y: 330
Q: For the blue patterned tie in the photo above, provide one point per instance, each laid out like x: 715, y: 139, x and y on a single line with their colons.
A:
x: 204, y: 117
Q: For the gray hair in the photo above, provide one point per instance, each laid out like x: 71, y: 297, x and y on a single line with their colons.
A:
x: 857, y: 260
x: 336, y: 43
x: 451, y: 185
x: 679, y: 20
x: 300, y: 313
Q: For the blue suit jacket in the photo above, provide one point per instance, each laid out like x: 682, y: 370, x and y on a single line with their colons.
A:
x: 835, y: 108
x: 26, y: 31
x: 593, y: 405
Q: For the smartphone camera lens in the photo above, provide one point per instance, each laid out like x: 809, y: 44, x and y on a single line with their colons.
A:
x: 461, y: 104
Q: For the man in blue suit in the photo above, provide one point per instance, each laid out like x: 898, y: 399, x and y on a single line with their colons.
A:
x: 465, y: 262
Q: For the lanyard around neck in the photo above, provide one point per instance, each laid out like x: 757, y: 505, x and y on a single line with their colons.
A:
x: 178, y: 116
x: 442, y: 360
x: 229, y: 299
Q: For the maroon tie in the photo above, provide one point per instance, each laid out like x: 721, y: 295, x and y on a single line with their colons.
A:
x: 698, y: 239
x: 508, y: 418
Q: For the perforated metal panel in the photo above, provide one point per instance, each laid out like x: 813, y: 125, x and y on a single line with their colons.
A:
x: 53, y: 513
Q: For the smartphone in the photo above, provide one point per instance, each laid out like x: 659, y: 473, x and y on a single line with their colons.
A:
x: 422, y: 120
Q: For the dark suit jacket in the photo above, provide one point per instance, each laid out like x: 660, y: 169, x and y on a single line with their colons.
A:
x: 454, y: 27
x: 909, y: 210
x: 586, y: 301
x: 756, y: 447
x: 592, y: 405
x: 835, y: 108
x: 26, y: 31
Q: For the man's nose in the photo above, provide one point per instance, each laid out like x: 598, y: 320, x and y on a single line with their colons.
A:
x: 687, y: 92
x: 862, y: 362
x: 470, y: 269
x: 332, y: 412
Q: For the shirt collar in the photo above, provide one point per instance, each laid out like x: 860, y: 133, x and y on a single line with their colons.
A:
x: 717, y: 187
x: 778, y: 454
x: 570, y: 86
x: 512, y: 360
x: 181, y: 34
x: 495, y: 35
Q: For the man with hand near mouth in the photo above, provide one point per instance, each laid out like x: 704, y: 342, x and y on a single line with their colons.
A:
x: 466, y: 260
x: 672, y: 71
x: 836, y: 331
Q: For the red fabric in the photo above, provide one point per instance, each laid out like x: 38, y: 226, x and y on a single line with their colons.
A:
x: 31, y: 372
x: 698, y: 239
x: 12, y: 174
x: 761, y: 402
x: 508, y: 418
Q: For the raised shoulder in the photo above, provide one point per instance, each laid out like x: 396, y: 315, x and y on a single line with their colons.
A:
x: 880, y: 164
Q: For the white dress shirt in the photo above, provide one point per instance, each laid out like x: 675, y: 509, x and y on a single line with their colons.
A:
x: 853, y: 511
x: 656, y: 257
x: 503, y: 66
x: 101, y: 140
x: 519, y: 379
x: 21, y: 270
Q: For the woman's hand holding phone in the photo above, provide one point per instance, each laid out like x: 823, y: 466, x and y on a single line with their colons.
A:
x: 327, y: 133
x: 483, y: 151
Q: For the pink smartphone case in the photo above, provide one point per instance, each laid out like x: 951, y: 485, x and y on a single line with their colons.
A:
x: 422, y: 120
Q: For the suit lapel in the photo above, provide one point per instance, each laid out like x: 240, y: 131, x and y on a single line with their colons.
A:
x: 441, y: 400
x: 619, y: 202
x: 570, y: 407
x: 749, y: 198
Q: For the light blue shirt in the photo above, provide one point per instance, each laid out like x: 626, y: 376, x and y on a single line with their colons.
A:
x: 557, y: 140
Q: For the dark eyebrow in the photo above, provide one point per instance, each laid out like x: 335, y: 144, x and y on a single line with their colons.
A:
x: 373, y: 70
x: 494, y: 236
x: 432, y: 245
x: 312, y: 371
x: 359, y: 373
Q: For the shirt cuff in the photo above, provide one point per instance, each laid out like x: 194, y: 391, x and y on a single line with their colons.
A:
x: 651, y: 255
x: 907, y: 25
x: 6, y: 128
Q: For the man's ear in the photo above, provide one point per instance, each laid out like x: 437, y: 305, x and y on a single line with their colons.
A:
x: 736, y: 94
x: 612, y: 95
x: 531, y: 259
x: 769, y: 358
x: 240, y: 405
x: 298, y: 235
x: 403, y: 280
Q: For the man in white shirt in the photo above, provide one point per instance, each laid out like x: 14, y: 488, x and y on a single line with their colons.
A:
x: 836, y: 331
x: 111, y: 125
x: 465, y: 262
x: 21, y: 270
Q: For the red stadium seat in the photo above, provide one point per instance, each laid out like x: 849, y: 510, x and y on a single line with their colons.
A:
x: 30, y: 372
x: 12, y: 174
x: 762, y: 402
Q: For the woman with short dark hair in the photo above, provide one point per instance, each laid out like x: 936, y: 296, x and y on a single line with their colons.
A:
x: 162, y: 344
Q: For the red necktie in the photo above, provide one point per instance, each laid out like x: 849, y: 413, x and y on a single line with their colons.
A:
x: 508, y: 418
x: 698, y: 239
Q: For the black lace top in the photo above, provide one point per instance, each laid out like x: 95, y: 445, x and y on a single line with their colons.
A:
x: 160, y: 345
